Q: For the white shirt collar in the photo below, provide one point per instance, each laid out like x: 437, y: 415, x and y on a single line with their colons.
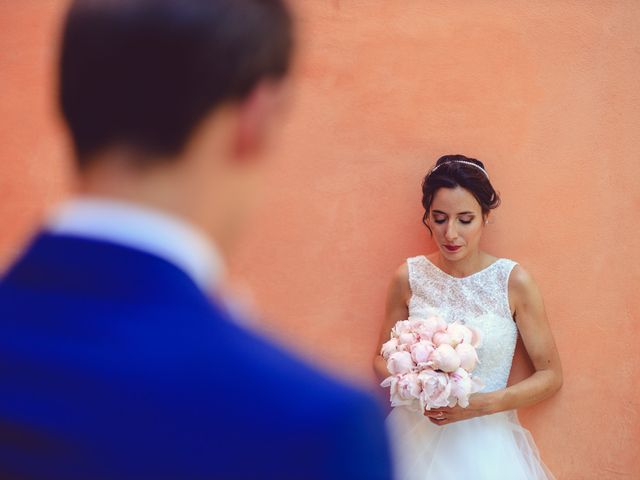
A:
x: 142, y: 228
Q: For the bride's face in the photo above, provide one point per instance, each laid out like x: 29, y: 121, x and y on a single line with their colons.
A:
x: 457, y: 222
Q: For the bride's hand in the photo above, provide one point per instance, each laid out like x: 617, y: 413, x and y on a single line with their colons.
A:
x: 479, y: 404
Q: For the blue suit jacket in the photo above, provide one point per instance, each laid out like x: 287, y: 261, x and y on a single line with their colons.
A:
x: 113, y: 364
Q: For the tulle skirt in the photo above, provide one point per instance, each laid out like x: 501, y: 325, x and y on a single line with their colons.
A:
x: 492, y: 447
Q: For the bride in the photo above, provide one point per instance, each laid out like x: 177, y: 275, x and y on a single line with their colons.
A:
x: 494, y: 295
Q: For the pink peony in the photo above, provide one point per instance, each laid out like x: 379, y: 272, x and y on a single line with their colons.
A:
x: 459, y: 334
x: 421, y: 351
x: 445, y: 358
x: 435, y: 389
x: 468, y: 356
x: 461, y: 387
x: 424, y: 334
x: 438, y: 322
x: 392, y: 383
x: 394, y: 392
x: 441, y: 338
x: 425, y: 328
x: 407, y: 338
x: 403, y: 326
x: 404, y: 390
x: 399, y: 362
x: 389, y: 348
x: 409, y: 387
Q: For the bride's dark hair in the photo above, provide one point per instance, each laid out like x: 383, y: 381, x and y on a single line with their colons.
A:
x: 450, y: 171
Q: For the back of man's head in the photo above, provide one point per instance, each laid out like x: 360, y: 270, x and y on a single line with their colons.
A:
x: 142, y: 74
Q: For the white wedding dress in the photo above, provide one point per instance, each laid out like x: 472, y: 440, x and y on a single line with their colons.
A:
x: 491, y: 447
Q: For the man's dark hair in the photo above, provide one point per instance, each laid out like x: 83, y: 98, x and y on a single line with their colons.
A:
x: 144, y: 73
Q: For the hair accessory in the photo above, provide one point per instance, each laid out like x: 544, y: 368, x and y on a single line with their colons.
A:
x: 461, y: 161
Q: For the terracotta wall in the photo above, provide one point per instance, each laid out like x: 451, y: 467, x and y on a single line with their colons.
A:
x: 545, y: 93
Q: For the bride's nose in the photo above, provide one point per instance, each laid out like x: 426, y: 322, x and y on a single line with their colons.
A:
x: 450, y: 233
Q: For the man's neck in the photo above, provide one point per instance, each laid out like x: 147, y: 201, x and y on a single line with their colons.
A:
x: 143, y: 228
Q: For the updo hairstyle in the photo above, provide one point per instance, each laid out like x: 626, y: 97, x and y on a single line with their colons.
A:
x: 451, y: 171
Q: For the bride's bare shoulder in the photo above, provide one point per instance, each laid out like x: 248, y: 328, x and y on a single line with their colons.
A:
x: 399, y: 285
x: 401, y: 273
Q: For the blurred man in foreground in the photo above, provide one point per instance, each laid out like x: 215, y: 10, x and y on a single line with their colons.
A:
x: 115, y: 362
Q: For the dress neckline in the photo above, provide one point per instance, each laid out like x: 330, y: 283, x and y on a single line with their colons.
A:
x: 426, y: 259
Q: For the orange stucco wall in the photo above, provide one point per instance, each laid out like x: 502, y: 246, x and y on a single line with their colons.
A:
x: 545, y: 93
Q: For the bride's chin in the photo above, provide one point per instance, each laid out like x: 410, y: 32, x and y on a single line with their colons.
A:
x: 452, y: 255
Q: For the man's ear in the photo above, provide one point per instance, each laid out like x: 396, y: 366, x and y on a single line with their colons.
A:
x: 255, y: 118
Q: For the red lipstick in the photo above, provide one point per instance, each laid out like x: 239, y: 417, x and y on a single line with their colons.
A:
x: 452, y: 248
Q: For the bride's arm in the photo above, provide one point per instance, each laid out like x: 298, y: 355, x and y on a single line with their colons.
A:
x: 396, y: 309
x: 538, y: 340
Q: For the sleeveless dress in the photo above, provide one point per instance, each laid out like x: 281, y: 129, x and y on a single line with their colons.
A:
x: 491, y: 447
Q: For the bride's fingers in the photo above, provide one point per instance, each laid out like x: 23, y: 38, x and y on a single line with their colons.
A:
x: 438, y: 415
x: 434, y: 414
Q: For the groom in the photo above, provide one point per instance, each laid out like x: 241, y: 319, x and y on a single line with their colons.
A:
x: 115, y: 362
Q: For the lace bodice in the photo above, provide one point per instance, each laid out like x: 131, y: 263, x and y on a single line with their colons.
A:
x: 480, y: 300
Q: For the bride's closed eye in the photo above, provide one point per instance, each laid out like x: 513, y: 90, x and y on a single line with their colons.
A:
x: 442, y: 220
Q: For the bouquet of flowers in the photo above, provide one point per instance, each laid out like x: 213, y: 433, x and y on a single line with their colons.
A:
x: 430, y: 363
